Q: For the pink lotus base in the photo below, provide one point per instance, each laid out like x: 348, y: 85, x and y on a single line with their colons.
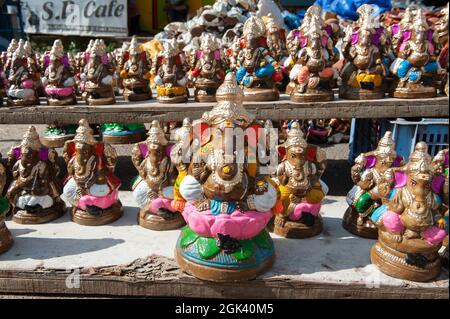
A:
x: 102, y: 202
x: 313, y: 209
x: 64, y: 92
x: 433, y: 235
x: 237, y: 225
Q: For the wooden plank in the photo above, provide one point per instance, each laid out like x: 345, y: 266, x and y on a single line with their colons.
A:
x: 159, y: 277
x: 284, y: 109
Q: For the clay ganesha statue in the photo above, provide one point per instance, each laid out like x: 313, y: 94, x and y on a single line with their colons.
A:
x: 136, y: 74
x: 367, y: 195
x: 169, y: 71
x: 154, y: 188
x: 207, y: 69
x: 98, y: 76
x: 228, y: 204
x: 313, y: 53
x: 6, y: 240
x: 59, y: 79
x: 411, y: 226
x: 364, y: 47
x: 21, y: 91
x: 300, y: 186
x: 257, y: 71
x: 91, y: 186
x: 35, y: 192
x: 415, y: 67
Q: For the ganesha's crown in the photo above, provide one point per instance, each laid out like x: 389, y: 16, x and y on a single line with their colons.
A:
x: 420, y: 162
x: 12, y: 46
x: 156, y: 134
x: 57, y: 49
x: 84, y: 133
x: 31, y: 139
x: 134, y: 47
x: 254, y: 26
x: 420, y: 22
x: 230, y: 104
x: 20, y: 52
x: 295, y: 137
x: 386, y: 145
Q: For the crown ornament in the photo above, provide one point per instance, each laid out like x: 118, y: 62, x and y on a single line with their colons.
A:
x: 84, y: 133
x: 156, y: 134
x: 254, y: 26
x: 295, y: 137
x: 386, y: 145
x: 31, y: 139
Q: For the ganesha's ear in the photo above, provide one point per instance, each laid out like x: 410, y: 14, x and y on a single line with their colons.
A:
x: 169, y: 148
x: 281, y: 152
x: 400, y: 178
x: 201, y: 132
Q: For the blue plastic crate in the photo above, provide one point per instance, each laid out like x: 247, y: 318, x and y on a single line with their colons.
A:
x: 407, y: 134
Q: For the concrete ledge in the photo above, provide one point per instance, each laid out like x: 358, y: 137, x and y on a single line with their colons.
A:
x: 123, y: 259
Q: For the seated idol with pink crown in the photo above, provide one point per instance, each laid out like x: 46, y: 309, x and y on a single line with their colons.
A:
x: 411, y: 224
x: 228, y: 202
x: 153, y: 190
x: 91, y: 186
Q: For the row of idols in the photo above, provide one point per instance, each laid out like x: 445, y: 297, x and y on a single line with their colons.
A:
x: 224, y: 201
x: 408, y: 59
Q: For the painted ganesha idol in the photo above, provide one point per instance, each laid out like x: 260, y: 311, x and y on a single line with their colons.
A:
x: 301, y: 188
x: 369, y: 191
x: 228, y: 204
x: 35, y: 192
x: 6, y: 240
x: 364, y: 48
x: 415, y: 67
x: 91, y: 185
x: 411, y: 224
x: 154, y: 188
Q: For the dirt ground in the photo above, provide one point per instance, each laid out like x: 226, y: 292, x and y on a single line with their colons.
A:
x: 337, y: 175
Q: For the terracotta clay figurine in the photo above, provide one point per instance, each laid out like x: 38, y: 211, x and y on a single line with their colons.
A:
x: 169, y: 72
x: 207, y: 69
x: 59, y: 79
x: 364, y: 47
x: 415, y: 67
x: 441, y: 38
x: 301, y: 189
x: 313, y: 52
x: 91, y: 186
x: 34, y: 195
x: 6, y: 240
x: 34, y: 67
x: 257, y: 71
x: 365, y: 197
x: 228, y: 203
x: 153, y: 190
x: 98, y: 76
x: 276, y: 44
x: 136, y: 74
x: 21, y: 90
x: 411, y: 227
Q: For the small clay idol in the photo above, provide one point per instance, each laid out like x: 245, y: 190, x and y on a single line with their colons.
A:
x: 21, y: 91
x: 59, y: 81
x: 301, y: 189
x: 207, y: 68
x: 364, y: 47
x: 169, y: 72
x: 91, y: 187
x: 34, y: 195
x: 368, y: 193
x: 312, y: 50
x: 257, y: 71
x: 154, y: 188
x: 98, y: 76
x: 415, y: 67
